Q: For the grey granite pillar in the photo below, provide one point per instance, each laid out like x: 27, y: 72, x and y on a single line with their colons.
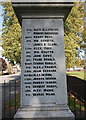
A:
x: 43, y: 81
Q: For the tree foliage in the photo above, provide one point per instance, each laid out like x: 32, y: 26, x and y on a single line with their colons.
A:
x: 11, y: 34
x: 73, y: 34
x: 84, y: 31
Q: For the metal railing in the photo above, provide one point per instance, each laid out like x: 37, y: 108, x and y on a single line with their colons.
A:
x: 77, y: 106
x: 10, y: 98
x: 76, y: 98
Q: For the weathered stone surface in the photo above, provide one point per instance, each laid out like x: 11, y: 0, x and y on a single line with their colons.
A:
x: 60, y: 112
x: 41, y: 8
x: 43, y: 1
x: 43, y: 86
x: 43, y: 70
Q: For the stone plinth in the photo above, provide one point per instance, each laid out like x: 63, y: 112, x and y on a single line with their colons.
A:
x: 43, y: 84
x: 50, y: 112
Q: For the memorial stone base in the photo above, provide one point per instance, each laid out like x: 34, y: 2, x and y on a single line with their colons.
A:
x: 43, y: 73
x: 44, y: 112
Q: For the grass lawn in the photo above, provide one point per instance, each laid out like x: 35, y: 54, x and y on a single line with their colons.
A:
x: 79, y: 74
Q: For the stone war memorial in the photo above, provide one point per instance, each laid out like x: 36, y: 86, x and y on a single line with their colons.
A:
x: 43, y: 76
